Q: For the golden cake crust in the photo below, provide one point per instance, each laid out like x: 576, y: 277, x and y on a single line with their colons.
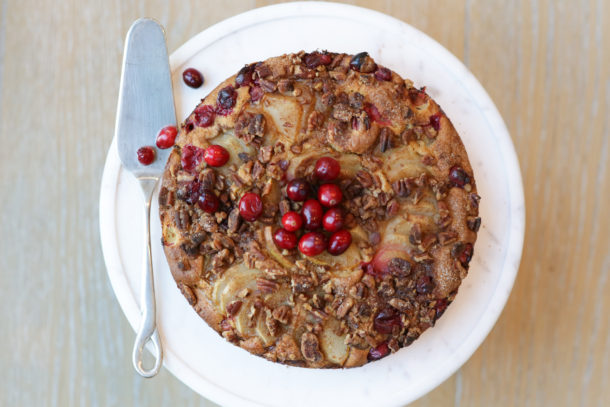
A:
x: 410, y: 203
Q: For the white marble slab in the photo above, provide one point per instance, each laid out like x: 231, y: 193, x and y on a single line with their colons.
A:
x: 231, y: 376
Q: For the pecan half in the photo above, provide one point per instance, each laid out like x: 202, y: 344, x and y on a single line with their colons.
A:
x: 310, y: 347
x: 282, y: 314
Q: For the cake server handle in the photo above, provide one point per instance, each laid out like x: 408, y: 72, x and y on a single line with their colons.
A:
x: 148, y: 325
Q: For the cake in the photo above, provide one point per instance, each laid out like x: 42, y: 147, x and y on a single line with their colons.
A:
x: 318, y: 210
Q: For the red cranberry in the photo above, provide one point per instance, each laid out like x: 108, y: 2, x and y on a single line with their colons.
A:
x: 146, y: 155
x: 216, y: 156
x: 327, y: 168
x: 292, y: 221
x: 192, y: 190
x: 339, y: 242
x: 458, y: 176
x: 373, y: 113
x: 435, y: 121
x: 250, y: 206
x: 333, y: 220
x: 226, y: 100
x: 386, y: 320
x: 285, y: 239
x: 192, y: 77
x: 383, y: 74
x: 244, y: 76
x: 316, y: 59
x: 191, y: 157
x: 297, y: 190
x: 329, y: 195
x: 312, y: 214
x: 204, y: 116
x: 167, y: 137
x: 312, y: 244
x: 424, y: 284
x: 208, y: 202
x: 379, y: 352
x: 256, y: 93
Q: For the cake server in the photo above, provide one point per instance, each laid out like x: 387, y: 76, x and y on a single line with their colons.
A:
x: 146, y: 104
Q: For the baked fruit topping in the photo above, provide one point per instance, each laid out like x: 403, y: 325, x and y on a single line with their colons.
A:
x: 318, y: 210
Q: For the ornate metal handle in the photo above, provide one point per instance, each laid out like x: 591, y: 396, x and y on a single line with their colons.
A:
x: 148, y: 326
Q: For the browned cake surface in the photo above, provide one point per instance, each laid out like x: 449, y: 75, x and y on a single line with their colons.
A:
x: 408, y: 194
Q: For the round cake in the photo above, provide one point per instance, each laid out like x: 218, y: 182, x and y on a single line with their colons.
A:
x: 318, y: 210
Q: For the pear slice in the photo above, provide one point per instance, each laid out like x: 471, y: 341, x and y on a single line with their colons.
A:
x: 274, y: 251
x: 285, y: 112
x: 262, y: 331
x: 333, y: 345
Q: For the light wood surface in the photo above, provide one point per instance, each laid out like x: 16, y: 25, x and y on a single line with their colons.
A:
x: 65, y: 341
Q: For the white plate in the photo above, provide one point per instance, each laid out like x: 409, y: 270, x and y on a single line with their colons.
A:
x: 229, y: 375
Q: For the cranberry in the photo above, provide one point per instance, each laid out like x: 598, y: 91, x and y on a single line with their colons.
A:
x: 292, y: 221
x: 208, y: 202
x: 192, y: 77
x: 327, y: 168
x: 297, y: 190
x: 435, y: 121
x: 166, y: 137
x: 256, y: 93
x: 329, y: 195
x: 191, y: 157
x: 386, y: 320
x: 244, y: 76
x: 250, y: 206
x: 146, y: 155
x: 193, y: 191
x: 216, y: 156
x: 226, y: 100
x: 383, y: 74
x: 362, y: 63
x: 285, y: 239
x: 204, y: 116
x: 312, y: 214
x: 339, y: 242
x: 333, y: 220
x: 316, y: 59
x: 373, y: 113
x: 379, y: 352
x: 312, y: 244
x: 424, y: 284
x: 458, y: 176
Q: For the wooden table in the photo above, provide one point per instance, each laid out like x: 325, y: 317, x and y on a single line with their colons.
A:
x: 64, y: 338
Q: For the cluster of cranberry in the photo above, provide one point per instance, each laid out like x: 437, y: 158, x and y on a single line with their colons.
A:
x: 165, y: 139
x: 313, y: 217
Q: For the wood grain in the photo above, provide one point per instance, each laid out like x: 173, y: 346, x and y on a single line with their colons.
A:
x: 546, y: 64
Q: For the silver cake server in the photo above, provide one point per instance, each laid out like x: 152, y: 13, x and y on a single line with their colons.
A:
x: 146, y: 104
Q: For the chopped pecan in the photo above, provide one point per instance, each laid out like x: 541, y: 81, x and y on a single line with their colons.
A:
x: 447, y: 237
x: 344, y: 307
x: 403, y: 187
x: 310, y: 347
x: 182, y: 218
x: 208, y: 223
x: 392, y: 208
x: 234, y: 221
x: 282, y: 314
x: 285, y: 85
x: 474, y: 202
x: 233, y: 307
x: 249, y: 126
x: 315, y: 120
x: 262, y: 70
x: 208, y: 179
x: 415, y: 234
x: 401, y: 305
x: 301, y: 284
x: 386, y: 288
x: 399, y: 267
x: 271, y: 323
x: 385, y: 139
x: 266, y: 286
x: 357, y: 291
x: 356, y: 100
x: 342, y: 112
x: 267, y: 85
x: 365, y: 178
x: 257, y: 170
x: 328, y: 99
x: 287, y: 349
x: 221, y: 259
x: 265, y: 153
x: 188, y: 293
x: 284, y: 206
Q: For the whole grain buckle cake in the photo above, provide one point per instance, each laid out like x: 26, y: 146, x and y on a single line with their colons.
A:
x: 319, y: 210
